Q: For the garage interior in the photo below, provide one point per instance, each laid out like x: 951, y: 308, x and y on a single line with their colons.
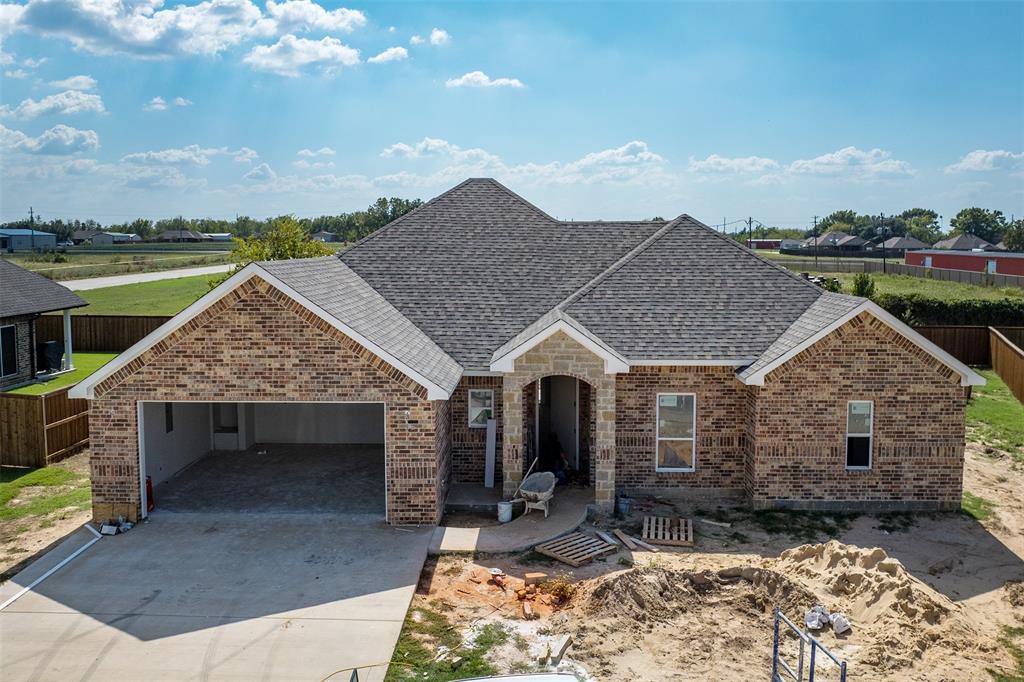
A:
x: 214, y: 457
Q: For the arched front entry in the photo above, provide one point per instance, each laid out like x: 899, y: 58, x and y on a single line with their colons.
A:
x: 559, y: 355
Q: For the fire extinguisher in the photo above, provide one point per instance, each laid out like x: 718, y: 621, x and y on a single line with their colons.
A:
x: 150, y: 504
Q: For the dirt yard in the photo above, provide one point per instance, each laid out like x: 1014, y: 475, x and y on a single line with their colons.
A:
x: 38, y: 508
x: 929, y: 596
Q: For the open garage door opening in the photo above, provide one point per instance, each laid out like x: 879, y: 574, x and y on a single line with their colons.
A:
x: 214, y: 457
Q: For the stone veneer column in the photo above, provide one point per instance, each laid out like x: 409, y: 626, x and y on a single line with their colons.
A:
x: 604, y: 493
x: 512, y: 443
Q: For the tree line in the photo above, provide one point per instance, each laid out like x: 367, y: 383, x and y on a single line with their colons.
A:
x: 348, y: 227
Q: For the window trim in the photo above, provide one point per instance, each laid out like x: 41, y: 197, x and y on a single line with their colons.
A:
x: 469, y: 406
x: 4, y: 373
x: 658, y: 438
x: 870, y: 437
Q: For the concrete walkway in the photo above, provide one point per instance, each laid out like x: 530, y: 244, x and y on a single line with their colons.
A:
x: 136, y: 278
x: 568, y: 510
x: 216, y: 597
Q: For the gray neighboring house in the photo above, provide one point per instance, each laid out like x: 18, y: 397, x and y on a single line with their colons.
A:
x: 964, y: 242
x: 25, y: 297
x: 20, y: 239
x: 324, y: 236
x: 115, y: 238
x: 904, y: 244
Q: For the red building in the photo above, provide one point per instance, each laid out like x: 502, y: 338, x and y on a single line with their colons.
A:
x: 992, y: 262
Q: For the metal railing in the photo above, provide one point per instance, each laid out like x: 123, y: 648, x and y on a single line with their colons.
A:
x: 779, y: 666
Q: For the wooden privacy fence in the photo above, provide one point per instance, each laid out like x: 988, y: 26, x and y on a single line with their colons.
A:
x: 1008, y: 362
x: 833, y: 264
x: 113, y: 333
x: 969, y: 344
x: 36, y: 430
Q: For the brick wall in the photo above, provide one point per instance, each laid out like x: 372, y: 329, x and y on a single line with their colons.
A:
x: 23, y: 342
x: 469, y: 445
x: 443, y: 448
x: 720, y: 427
x: 799, y: 423
x: 257, y: 344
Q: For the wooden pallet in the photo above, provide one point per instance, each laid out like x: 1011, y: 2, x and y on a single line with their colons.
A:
x: 575, y: 549
x: 665, y: 530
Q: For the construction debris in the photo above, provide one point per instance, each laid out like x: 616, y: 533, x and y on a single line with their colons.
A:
x: 561, y: 645
x: 626, y: 540
x: 664, y: 530
x: 535, y: 578
x: 607, y: 538
x: 575, y: 549
x: 817, y: 617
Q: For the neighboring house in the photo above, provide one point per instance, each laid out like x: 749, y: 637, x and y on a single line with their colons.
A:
x: 661, y: 355
x: 324, y: 236
x: 24, y: 296
x: 770, y: 244
x: 17, y: 239
x: 837, y: 241
x: 964, y: 242
x: 991, y: 262
x: 181, y: 236
x: 115, y: 238
x: 83, y: 236
x: 218, y: 236
x: 904, y: 244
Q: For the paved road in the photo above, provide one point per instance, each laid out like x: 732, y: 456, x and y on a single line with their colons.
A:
x: 135, y: 278
x: 216, y: 597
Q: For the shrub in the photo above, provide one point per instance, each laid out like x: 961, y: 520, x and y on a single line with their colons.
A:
x: 921, y: 310
x: 863, y: 285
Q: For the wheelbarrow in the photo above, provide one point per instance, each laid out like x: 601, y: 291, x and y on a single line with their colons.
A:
x: 537, y: 490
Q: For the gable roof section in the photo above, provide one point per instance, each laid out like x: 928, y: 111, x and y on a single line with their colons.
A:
x: 692, y: 296
x: 334, y: 293
x: 23, y: 292
x: 828, y: 313
x: 962, y: 242
x: 548, y: 325
x: 475, y: 266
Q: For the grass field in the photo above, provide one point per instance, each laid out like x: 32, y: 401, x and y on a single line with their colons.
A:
x: 932, y: 288
x: 81, y: 265
x: 995, y: 417
x: 85, y: 364
x: 53, y: 488
x: 165, y: 297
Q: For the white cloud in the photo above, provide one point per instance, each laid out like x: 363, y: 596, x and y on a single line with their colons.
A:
x: 854, y: 162
x: 290, y: 55
x: 391, y: 29
x: 982, y: 160
x: 392, y: 54
x: 68, y: 102
x: 416, y: 40
x: 6, y: 58
x: 302, y: 15
x: 439, y: 36
x: 17, y: 73
x: 60, y: 139
x: 76, y: 83
x: 33, y: 63
x: 261, y: 173
x: 721, y: 164
x: 302, y: 163
x: 309, y: 153
x: 146, y: 28
x: 479, y: 79
x: 191, y: 155
x: 156, y: 104
x: 182, y: 102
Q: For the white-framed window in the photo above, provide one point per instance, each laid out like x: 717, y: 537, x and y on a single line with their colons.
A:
x: 860, y: 423
x: 676, y: 432
x: 481, y: 407
x: 927, y: 261
x: 8, y: 350
x: 990, y: 267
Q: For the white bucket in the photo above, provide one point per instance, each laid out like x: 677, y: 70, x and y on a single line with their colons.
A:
x: 504, y: 512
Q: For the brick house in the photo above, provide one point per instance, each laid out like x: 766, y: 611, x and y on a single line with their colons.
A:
x: 476, y: 333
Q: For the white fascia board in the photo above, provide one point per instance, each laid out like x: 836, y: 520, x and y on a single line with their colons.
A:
x: 613, y: 362
x: 86, y: 388
x: 740, y: 362
x: 968, y: 377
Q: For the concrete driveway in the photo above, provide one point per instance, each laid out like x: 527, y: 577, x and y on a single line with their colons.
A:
x: 217, y: 597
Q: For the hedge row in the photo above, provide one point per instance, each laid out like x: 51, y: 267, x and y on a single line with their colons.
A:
x: 915, y: 309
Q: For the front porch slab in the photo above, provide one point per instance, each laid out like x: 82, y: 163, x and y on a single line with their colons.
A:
x: 568, y: 510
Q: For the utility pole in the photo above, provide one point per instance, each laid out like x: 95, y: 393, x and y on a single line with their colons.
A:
x: 32, y: 228
x: 815, y: 233
x: 750, y: 222
x: 881, y: 229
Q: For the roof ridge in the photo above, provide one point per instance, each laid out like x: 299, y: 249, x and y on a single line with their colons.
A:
x: 515, y: 196
x: 751, y: 252
x: 618, y: 264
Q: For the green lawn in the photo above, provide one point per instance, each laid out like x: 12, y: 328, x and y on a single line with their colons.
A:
x: 85, y: 364
x: 995, y: 417
x: 53, y: 487
x: 64, y: 266
x: 932, y: 288
x: 164, y: 297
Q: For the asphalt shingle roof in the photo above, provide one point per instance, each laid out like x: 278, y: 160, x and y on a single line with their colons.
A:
x: 333, y: 286
x: 25, y: 293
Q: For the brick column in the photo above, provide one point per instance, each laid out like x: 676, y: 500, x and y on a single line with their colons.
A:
x: 512, y: 443
x: 604, y: 491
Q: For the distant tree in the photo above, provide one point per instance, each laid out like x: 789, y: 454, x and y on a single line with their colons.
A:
x: 981, y: 222
x: 923, y: 224
x: 286, y: 239
x: 1013, y: 237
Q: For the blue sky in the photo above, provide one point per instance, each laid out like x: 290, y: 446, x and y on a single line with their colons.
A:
x: 116, y: 110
